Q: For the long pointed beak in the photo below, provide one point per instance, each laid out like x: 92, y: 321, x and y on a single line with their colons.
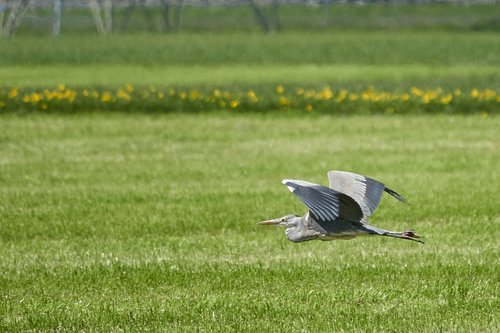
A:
x: 270, y: 222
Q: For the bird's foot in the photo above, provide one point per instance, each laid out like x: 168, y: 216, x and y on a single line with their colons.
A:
x: 411, y: 235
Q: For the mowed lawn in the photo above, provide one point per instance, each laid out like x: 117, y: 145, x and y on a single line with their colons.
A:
x: 116, y: 222
x: 345, y: 59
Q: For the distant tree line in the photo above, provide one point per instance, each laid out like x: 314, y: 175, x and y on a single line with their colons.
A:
x: 265, y: 12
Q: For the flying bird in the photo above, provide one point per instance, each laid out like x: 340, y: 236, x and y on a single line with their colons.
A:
x: 340, y: 211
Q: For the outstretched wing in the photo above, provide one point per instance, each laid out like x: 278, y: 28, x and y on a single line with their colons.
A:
x: 325, y: 204
x: 367, y: 192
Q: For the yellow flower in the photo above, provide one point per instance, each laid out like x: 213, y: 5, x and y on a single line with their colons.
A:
x: 280, y: 89
x: 405, y: 97
x: 36, y: 97
x: 85, y: 93
x: 234, y: 104
x: 474, y: 93
x: 183, y: 95
x: 61, y: 87
x: 299, y: 91
x: 284, y: 101
x: 216, y: 92
x: 366, y: 95
x: 194, y: 95
x: 416, y: 91
x: 447, y: 99
x: 49, y: 95
x: 488, y: 94
x: 353, y: 97
x: 70, y: 95
x: 309, y: 93
x: 129, y: 88
x: 342, y: 95
x: 123, y: 94
x: 457, y: 92
x: 161, y: 95
x: 326, y: 93
x: 252, y: 96
x: 13, y: 93
x: 429, y: 96
x: 106, y: 97
x: 309, y: 108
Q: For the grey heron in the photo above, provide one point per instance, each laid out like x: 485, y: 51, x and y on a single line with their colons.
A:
x: 340, y: 211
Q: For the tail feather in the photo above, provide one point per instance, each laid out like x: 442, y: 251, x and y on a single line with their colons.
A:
x: 396, y: 195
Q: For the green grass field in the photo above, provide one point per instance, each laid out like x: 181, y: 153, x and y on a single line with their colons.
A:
x: 115, y: 222
x: 441, y: 63
x: 142, y: 218
x: 387, y: 59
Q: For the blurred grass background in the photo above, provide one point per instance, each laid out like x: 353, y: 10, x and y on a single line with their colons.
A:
x: 147, y: 223
x: 351, y: 59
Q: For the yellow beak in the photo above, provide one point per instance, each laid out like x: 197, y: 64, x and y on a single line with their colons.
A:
x: 270, y: 222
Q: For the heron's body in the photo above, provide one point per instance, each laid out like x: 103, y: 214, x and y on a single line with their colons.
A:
x: 340, y: 211
x: 308, y: 229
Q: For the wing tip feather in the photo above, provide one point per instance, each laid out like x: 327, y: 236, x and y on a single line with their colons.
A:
x: 396, y: 195
x: 286, y: 182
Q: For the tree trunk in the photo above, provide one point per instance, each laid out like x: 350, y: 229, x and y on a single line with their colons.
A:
x: 178, y: 15
x: 56, y: 27
x: 260, y: 17
x: 165, y: 15
x: 9, y: 22
x: 102, y: 10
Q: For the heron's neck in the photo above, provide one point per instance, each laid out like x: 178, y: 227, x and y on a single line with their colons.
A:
x: 301, y: 231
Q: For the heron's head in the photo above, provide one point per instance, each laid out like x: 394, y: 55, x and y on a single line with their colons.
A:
x: 288, y: 221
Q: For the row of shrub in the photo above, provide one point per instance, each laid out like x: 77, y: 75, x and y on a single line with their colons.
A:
x: 326, y: 99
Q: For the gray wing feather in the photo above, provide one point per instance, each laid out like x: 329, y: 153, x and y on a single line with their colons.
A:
x: 350, y: 209
x: 367, y: 192
x: 324, y: 203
